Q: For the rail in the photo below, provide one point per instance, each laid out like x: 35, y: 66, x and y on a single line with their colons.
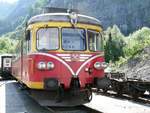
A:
x: 128, y: 88
x: 76, y: 109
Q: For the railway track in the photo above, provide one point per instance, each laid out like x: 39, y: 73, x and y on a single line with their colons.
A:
x: 77, y: 109
x: 145, y: 99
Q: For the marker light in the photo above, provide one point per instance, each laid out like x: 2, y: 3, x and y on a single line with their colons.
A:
x: 97, y: 65
x: 41, y: 65
x: 50, y: 65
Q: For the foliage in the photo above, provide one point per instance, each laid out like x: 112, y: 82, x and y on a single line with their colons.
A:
x: 134, y: 45
x: 120, y: 48
x: 20, y: 14
x: 137, y: 41
x: 9, y: 40
x: 6, y: 45
x: 114, y: 44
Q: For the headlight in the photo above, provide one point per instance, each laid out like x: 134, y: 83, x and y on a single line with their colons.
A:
x: 97, y: 65
x: 41, y: 65
x: 104, y: 64
x: 50, y: 65
x: 100, y: 65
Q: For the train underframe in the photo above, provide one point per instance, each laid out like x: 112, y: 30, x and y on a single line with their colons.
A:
x: 53, y: 95
x: 130, y: 86
x: 134, y: 88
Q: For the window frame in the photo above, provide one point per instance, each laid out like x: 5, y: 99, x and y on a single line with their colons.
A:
x: 74, y: 28
x: 102, y: 48
x: 28, y: 40
x: 58, y: 39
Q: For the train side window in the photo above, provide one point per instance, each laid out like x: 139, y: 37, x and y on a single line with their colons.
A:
x: 28, y: 40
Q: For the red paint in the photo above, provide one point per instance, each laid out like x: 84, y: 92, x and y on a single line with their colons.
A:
x: 61, y: 72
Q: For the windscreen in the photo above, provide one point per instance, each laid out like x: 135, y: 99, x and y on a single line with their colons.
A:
x: 47, y: 39
x: 73, y: 39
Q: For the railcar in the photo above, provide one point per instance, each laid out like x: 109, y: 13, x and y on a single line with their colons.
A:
x: 5, y: 66
x: 135, y: 87
x: 61, y: 58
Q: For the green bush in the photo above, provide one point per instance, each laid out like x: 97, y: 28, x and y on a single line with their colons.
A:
x: 137, y: 41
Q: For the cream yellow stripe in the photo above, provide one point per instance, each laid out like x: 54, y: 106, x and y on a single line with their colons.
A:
x: 35, y: 85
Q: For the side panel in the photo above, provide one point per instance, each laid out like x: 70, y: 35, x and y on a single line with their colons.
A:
x: 17, y: 62
x: 16, y: 68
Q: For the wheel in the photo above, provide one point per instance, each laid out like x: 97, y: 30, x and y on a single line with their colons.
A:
x: 135, y: 94
x: 118, y: 87
x: 103, y: 83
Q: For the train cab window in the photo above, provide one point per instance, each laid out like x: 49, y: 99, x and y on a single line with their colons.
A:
x: 47, y: 39
x: 7, y: 62
x: 73, y: 39
x: 95, y: 41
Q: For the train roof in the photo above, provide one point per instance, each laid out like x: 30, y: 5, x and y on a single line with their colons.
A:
x: 6, y: 54
x: 63, y: 17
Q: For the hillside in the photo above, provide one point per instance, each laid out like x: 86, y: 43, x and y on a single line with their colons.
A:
x: 5, y: 7
x: 135, y: 61
x: 15, y: 16
x: 128, y: 15
x: 138, y: 67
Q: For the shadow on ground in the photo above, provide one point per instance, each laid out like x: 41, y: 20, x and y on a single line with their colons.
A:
x: 17, y: 101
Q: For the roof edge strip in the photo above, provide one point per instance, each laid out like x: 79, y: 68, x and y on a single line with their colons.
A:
x: 61, y: 14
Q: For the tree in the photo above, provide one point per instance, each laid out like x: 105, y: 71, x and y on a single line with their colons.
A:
x: 6, y: 45
x: 114, y: 45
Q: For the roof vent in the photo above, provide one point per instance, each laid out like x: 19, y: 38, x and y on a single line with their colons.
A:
x: 58, y: 10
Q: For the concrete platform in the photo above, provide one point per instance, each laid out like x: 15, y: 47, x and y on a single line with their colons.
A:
x: 113, y: 105
x: 14, y: 100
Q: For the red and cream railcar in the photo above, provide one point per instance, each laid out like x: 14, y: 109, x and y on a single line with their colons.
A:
x: 61, y: 57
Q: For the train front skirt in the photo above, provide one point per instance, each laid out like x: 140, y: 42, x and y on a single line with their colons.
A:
x: 65, y: 99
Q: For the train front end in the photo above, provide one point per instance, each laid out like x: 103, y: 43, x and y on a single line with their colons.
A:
x: 65, y: 59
